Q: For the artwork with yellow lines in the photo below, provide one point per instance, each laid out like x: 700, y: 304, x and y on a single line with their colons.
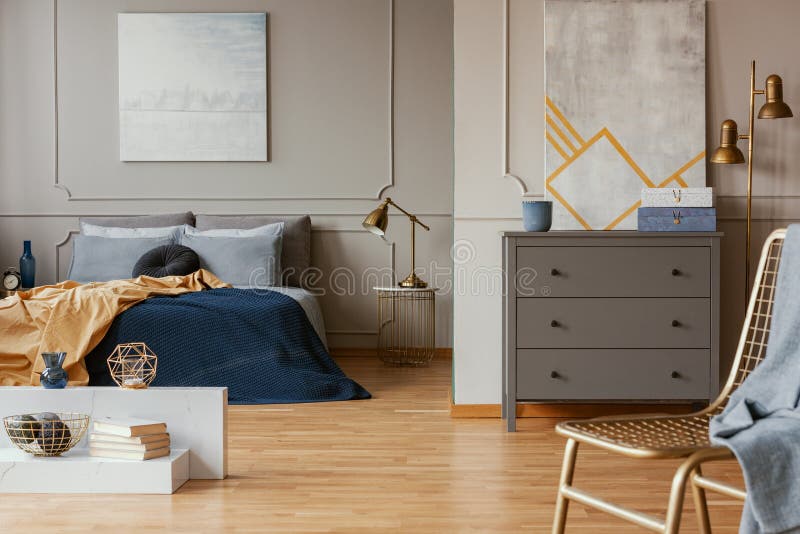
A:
x: 625, y: 106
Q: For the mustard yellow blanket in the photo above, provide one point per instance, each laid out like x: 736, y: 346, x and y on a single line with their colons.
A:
x: 73, y: 318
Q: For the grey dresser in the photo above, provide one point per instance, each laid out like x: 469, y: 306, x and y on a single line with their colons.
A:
x: 609, y: 316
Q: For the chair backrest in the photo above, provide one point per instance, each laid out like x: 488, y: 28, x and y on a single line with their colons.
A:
x: 755, y: 332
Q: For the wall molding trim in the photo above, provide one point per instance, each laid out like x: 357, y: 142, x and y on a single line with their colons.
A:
x: 390, y: 183
x: 729, y: 208
x: 392, y: 263
x: 57, y: 179
x: 67, y: 239
x: 506, y: 169
x: 738, y: 218
x: 238, y: 214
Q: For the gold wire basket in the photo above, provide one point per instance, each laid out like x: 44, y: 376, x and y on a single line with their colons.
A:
x: 46, y: 433
x: 406, y: 326
x: 133, y: 365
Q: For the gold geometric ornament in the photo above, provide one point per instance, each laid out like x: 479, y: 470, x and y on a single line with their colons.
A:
x: 133, y: 365
x: 570, y: 145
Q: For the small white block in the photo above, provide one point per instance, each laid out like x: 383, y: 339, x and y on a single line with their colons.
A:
x: 77, y: 472
x: 672, y: 197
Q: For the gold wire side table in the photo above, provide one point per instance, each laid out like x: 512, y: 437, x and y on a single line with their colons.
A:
x: 406, y: 325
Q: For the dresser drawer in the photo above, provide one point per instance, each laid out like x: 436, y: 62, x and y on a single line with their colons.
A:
x: 605, y: 374
x: 596, y: 271
x: 651, y: 323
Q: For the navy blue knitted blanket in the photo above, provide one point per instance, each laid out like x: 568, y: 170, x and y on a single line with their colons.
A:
x: 258, y: 343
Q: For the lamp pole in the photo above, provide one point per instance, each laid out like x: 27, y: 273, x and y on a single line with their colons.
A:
x: 412, y: 280
x: 749, y: 137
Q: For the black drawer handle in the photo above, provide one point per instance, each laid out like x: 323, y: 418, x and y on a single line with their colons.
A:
x: 554, y: 374
x: 676, y: 272
x: 554, y: 323
x: 676, y: 323
x: 675, y: 374
x: 555, y: 272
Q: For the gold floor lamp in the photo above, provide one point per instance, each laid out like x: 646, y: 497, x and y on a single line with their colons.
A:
x: 377, y: 221
x: 729, y: 153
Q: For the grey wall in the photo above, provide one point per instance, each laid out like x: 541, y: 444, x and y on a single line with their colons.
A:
x: 360, y: 108
x: 486, y: 202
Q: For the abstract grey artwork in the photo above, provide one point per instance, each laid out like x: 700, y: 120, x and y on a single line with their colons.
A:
x: 192, y: 86
x: 625, y: 106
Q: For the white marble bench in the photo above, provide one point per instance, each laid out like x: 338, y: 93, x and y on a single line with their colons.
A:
x: 197, y: 418
x: 77, y: 472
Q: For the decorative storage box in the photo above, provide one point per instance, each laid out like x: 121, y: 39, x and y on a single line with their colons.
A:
x: 677, y: 219
x: 667, y: 197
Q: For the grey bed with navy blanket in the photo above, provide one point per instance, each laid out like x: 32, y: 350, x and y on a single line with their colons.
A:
x: 259, y: 343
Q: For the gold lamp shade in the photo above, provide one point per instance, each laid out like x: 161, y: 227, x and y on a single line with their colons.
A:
x: 775, y: 107
x: 728, y: 152
x: 377, y: 220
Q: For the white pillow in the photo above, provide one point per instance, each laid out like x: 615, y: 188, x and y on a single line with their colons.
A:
x: 115, y: 232
x: 267, y: 229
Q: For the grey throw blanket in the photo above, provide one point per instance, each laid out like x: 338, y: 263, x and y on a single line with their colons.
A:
x: 761, y: 423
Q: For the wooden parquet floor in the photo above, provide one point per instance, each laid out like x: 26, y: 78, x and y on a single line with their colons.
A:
x: 396, y: 463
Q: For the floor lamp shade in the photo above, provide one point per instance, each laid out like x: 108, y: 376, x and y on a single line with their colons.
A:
x: 728, y: 152
x: 775, y: 107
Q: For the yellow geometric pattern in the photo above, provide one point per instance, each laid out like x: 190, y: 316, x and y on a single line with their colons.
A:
x: 570, y: 145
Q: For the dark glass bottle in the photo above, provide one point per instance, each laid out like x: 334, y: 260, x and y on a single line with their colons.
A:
x: 27, y: 267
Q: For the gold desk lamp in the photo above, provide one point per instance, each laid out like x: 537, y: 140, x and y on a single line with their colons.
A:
x: 729, y: 153
x: 376, y: 223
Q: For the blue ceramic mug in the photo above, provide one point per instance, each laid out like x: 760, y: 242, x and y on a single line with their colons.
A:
x: 537, y: 215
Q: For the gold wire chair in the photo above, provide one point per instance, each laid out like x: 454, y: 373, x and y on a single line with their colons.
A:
x: 685, y: 436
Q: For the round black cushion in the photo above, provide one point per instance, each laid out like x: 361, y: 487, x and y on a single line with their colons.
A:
x: 167, y: 260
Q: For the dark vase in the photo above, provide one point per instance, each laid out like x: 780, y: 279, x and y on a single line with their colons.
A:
x: 27, y: 267
x: 54, y: 376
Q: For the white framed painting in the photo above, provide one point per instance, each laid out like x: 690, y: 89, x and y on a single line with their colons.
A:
x: 625, y: 106
x: 192, y: 86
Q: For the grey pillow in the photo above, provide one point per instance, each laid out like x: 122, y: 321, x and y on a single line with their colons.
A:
x: 240, y: 261
x: 296, y: 248
x: 100, y: 259
x: 143, y: 221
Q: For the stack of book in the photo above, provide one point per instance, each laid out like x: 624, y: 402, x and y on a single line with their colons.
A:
x: 128, y: 438
x: 666, y: 209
